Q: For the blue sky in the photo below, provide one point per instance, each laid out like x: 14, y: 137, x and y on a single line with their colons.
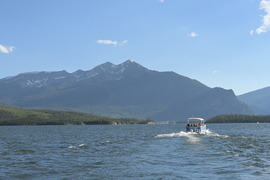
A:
x: 220, y: 43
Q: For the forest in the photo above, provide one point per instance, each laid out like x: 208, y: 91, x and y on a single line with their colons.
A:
x: 17, y: 116
x: 238, y: 118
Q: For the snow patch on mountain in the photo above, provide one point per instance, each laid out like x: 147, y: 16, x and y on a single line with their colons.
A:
x: 104, y: 72
x: 36, y: 83
x: 60, y: 77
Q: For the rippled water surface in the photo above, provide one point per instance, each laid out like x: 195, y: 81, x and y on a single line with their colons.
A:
x: 225, y: 151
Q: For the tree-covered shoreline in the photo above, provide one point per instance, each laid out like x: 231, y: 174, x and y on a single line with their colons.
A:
x: 238, y: 118
x: 17, y: 116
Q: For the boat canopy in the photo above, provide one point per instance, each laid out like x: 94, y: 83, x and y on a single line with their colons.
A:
x: 199, y: 119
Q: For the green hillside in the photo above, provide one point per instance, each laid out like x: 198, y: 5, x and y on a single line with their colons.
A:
x: 15, y: 116
x: 237, y: 118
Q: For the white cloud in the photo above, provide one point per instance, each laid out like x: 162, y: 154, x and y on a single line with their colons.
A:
x: 193, y: 34
x: 6, y: 49
x: 110, y: 42
x: 107, y: 42
x: 265, y: 5
x: 162, y: 1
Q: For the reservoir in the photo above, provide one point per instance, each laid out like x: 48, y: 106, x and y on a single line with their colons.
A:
x: 161, y: 151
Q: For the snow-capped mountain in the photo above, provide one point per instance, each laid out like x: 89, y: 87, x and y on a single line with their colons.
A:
x: 124, y: 90
x: 102, y: 73
x: 36, y: 79
x: 110, y: 72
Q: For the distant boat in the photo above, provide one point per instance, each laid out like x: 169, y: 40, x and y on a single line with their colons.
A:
x: 195, y: 125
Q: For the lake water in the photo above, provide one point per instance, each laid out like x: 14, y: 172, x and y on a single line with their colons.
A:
x: 226, y: 151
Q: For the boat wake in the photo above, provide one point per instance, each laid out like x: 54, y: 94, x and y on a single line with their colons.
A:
x: 209, y: 133
x: 189, y: 134
x: 77, y: 147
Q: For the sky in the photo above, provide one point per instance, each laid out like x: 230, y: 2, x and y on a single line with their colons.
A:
x: 222, y: 43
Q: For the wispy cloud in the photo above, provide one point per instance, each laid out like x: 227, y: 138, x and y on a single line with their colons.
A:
x: 107, y: 42
x: 110, y: 42
x: 265, y: 5
x: 6, y: 49
x: 123, y: 42
x: 162, y: 1
x: 215, y: 72
x: 193, y: 34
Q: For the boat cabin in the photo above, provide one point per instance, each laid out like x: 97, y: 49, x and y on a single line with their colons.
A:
x: 195, y: 125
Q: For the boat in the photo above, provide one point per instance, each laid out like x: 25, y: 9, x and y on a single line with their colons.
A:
x: 195, y: 125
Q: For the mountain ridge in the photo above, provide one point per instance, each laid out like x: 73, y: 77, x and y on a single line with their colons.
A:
x: 259, y: 100
x: 41, y: 78
x: 124, y: 90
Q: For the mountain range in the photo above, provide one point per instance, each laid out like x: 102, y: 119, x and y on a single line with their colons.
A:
x: 258, y: 100
x: 124, y: 90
